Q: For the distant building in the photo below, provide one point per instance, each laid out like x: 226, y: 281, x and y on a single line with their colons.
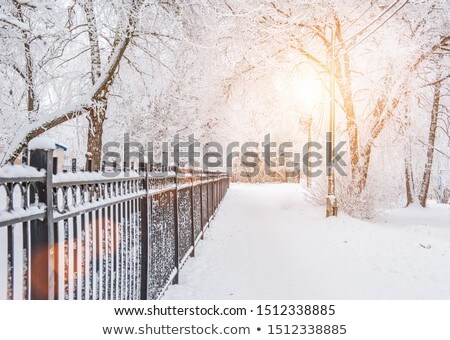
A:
x: 59, y: 153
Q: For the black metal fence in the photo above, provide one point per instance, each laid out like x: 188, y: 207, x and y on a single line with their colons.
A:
x: 121, y: 237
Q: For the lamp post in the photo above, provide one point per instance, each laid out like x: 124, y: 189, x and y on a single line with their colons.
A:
x: 308, y: 174
x: 331, y: 197
x: 302, y: 123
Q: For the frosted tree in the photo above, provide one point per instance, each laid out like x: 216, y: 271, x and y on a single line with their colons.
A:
x: 31, y: 38
x: 92, y: 99
x: 381, y: 49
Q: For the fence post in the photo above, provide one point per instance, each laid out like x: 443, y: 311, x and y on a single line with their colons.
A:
x: 192, y: 214
x: 176, y: 232
x: 42, y: 232
x: 143, y: 168
x: 55, y: 166
x: 213, y: 211
x: 201, y: 205
x: 207, y: 198
x: 25, y: 156
x: 89, y: 165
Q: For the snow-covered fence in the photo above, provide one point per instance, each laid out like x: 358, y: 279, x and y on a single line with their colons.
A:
x: 105, y: 237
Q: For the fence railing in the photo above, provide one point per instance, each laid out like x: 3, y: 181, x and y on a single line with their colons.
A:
x: 88, y: 235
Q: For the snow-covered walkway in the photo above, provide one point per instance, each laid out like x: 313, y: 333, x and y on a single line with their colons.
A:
x: 267, y: 242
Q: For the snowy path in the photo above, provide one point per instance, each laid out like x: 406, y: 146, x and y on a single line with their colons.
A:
x: 267, y: 242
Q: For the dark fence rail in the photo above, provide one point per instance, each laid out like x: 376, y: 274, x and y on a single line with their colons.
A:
x: 104, y: 237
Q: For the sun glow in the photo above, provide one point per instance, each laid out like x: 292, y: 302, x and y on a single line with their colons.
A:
x: 303, y: 89
x: 307, y: 91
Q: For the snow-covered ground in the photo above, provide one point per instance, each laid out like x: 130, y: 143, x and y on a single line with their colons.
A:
x: 267, y: 242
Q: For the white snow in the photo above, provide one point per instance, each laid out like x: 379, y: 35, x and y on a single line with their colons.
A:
x: 101, y: 201
x: 36, y: 4
x: 268, y: 242
x: 14, y: 22
x: 20, y: 212
x: 92, y: 176
x: 44, y: 143
x: 15, y: 171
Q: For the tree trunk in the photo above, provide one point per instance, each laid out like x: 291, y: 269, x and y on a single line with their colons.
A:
x: 28, y: 74
x: 431, y: 141
x: 408, y: 182
x: 344, y: 82
x: 91, y: 21
x: 352, y: 128
x: 95, y: 133
x: 98, y: 114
